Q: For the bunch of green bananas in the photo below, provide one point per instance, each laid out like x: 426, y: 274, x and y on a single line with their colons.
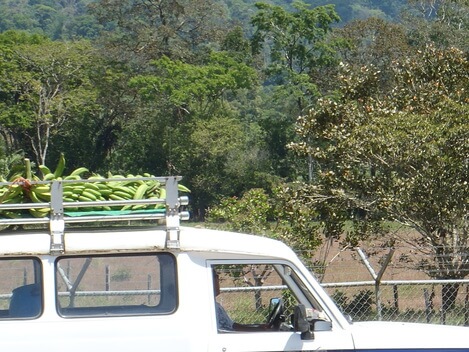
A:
x: 124, y: 188
x: 11, y: 194
x: 80, y: 189
x: 14, y: 193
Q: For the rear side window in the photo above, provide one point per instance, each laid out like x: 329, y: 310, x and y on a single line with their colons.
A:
x: 20, y: 288
x: 116, y: 285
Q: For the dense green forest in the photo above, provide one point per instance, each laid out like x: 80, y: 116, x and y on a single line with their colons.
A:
x: 71, y: 19
x: 334, y: 111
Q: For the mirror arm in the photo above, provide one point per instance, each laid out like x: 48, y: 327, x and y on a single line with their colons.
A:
x: 301, y: 324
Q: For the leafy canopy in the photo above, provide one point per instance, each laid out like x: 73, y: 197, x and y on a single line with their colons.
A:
x: 399, y: 154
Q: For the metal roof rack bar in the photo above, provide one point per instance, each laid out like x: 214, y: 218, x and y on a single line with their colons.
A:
x: 60, y: 212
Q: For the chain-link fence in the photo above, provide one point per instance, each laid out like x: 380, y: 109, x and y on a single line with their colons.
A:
x: 407, y: 282
x: 425, y: 301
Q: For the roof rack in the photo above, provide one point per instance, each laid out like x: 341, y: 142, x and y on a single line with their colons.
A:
x: 58, y: 215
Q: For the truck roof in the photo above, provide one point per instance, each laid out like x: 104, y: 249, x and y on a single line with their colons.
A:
x: 86, y: 240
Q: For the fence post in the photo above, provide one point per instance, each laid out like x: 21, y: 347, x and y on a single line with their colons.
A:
x: 107, y: 276
x: 395, y: 291
x: 466, y: 307
x: 149, y: 288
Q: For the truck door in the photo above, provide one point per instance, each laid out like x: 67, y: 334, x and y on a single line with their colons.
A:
x: 118, y: 302
x: 269, y: 306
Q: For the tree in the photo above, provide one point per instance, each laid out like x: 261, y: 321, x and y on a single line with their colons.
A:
x: 398, y: 155
x: 295, y: 45
x: 54, y: 19
x: 202, y: 135
x: 47, y: 83
x: 195, y: 89
x: 362, y: 9
x: 445, y: 23
x: 372, y: 41
x: 147, y: 30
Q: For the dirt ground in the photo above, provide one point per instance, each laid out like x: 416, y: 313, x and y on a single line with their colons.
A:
x: 346, y: 265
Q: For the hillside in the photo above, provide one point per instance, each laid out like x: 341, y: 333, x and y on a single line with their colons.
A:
x: 69, y: 19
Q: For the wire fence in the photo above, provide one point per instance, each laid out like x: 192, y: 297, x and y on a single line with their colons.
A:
x: 425, y: 301
x: 408, y: 282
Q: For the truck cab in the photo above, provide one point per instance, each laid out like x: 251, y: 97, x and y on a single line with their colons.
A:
x: 139, y: 281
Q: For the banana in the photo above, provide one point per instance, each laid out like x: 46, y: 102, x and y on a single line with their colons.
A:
x: 12, y: 191
x: 123, y: 195
x: 154, y: 186
x: 140, y: 192
x: 132, y: 188
x: 36, y: 198
x: 88, y: 195
x: 60, y: 166
x: 115, y: 197
x: 79, y: 171
x: 49, y: 177
x: 72, y: 177
x: 105, y: 192
x: 102, y: 186
x: 73, y: 197
x: 39, y: 213
x: 83, y: 198
x: 41, y: 189
x: 44, y: 169
x: 96, y: 193
x: 11, y: 214
x: 40, y: 197
x: 44, y: 196
x: 116, y: 176
x: 122, y: 189
x: 183, y: 188
x: 93, y: 186
x: 74, y: 188
x: 15, y: 177
x: 14, y: 200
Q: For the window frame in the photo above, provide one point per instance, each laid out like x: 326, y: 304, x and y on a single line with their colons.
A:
x: 119, y: 310
x: 296, y: 282
x: 28, y: 291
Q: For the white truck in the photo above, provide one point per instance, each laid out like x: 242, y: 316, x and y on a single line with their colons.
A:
x: 81, y: 283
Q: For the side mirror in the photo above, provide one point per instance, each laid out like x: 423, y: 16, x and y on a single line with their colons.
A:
x: 273, y: 303
x: 301, y: 323
x: 322, y: 325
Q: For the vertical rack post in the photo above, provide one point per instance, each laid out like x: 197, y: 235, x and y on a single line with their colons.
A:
x: 172, y: 213
x: 57, y: 222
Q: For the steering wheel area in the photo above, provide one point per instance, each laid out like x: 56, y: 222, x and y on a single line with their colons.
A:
x: 276, y: 316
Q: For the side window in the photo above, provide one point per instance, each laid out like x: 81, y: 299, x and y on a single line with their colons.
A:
x: 116, y: 285
x: 256, y: 297
x: 20, y: 288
